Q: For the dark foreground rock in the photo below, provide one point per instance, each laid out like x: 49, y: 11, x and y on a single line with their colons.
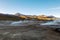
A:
x: 29, y: 34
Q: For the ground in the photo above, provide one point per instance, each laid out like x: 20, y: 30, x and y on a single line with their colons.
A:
x: 29, y: 33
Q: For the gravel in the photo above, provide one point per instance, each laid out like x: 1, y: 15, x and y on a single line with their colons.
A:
x: 29, y: 33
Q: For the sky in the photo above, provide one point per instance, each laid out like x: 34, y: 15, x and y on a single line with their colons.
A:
x: 31, y: 7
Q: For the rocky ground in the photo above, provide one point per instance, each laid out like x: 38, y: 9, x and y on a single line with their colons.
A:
x: 29, y: 33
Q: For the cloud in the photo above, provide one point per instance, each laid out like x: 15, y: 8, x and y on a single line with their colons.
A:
x: 52, y: 11
x: 55, y: 8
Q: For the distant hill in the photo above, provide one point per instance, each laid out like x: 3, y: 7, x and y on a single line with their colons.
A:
x: 8, y: 17
x: 34, y: 17
x: 19, y: 16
